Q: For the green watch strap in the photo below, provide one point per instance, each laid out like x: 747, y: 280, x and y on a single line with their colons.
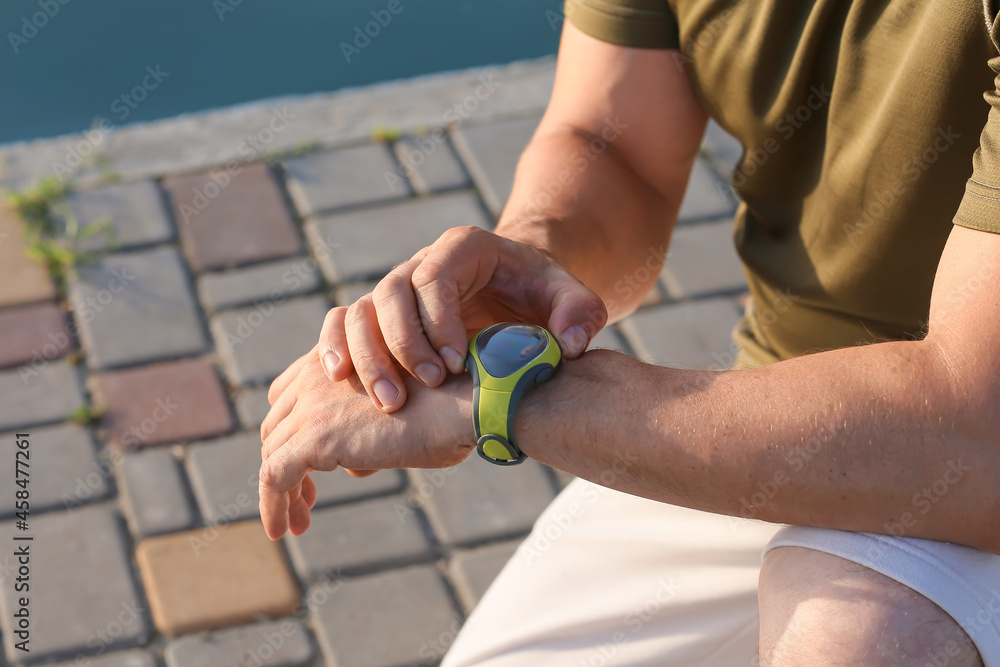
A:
x: 520, y: 357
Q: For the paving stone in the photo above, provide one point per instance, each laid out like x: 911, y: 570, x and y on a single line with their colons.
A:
x: 356, y: 538
x: 338, y: 487
x: 22, y: 279
x: 273, y: 281
x: 38, y: 395
x: 473, y: 571
x: 723, y: 149
x: 491, y: 153
x: 473, y: 501
x: 384, y: 620
x: 223, y: 476
x: 227, y: 224
x: 163, y: 403
x: 430, y: 163
x: 252, y: 406
x: 609, y: 339
x: 703, y: 261
x: 136, y: 307
x: 281, y: 643
x: 706, y: 196
x: 154, y: 495
x: 348, y: 294
x: 366, y: 244
x: 133, y: 658
x: 82, y: 591
x: 258, y: 343
x: 134, y: 211
x: 34, y: 333
x: 63, y: 472
x: 347, y: 177
x: 215, y: 577
x: 686, y: 335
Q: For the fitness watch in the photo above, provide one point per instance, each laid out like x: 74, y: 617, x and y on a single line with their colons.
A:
x: 506, y: 360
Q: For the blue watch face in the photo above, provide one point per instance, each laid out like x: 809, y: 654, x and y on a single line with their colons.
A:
x: 506, y: 349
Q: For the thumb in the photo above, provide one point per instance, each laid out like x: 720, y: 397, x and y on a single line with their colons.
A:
x: 577, y: 315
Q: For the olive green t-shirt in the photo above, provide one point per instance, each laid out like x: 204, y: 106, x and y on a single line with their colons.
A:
x: 865, y: 135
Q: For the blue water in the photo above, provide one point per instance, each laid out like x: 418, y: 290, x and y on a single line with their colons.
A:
x: 75, y: 68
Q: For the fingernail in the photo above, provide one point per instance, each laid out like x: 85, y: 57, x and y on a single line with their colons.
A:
x: 385, y: 392
x: 452, y: 359
x: 429, y: 374
x: 330, y: 360
x: 575, y: 339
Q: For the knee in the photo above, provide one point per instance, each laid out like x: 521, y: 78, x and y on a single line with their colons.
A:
x: 819, y: 609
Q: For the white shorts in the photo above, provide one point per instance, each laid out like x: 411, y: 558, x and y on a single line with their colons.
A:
x: 606, y: 578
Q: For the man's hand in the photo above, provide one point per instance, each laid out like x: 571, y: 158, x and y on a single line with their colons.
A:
x: 315, y: 424
x: 422, y: 313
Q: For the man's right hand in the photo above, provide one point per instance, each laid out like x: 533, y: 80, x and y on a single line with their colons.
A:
x: 424, y: 311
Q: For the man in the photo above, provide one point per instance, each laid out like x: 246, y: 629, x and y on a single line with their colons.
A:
x: 868, y: 397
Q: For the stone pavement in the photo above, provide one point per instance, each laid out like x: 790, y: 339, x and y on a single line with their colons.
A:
x: 147, y: 548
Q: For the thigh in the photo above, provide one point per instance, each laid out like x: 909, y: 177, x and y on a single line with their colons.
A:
x: 611, y: 579
x: 830, y: 597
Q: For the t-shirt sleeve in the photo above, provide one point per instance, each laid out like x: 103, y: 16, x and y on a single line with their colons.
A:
x: 641, y: 24
x: 980, y: 208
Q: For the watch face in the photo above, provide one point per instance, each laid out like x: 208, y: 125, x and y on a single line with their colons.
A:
x: 508, y: 348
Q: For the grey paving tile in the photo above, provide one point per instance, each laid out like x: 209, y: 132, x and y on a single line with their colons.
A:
x: 473, y: 571
x: 154, y: 494
x: 723, y: 149
x: 429, y: 163
x: 136, y: 307
x: 476, y: 501
x: 82, y: 590
x: 252, y: 406
x: 348, y: 294
x: 366, y: 244
x: 703, y: 261
x: 383, y: 620
x: 706, y: 196
x: 491, y: 153
x: 132, y: 658
x: 282, y: 643
x: 223, y: 476
x: 345, y: 177
x: 686, y: 335
x: 63, y: 469
x: 135, y: 211
x: 338, y: 487
x: 356, y: 538
x: 608, y: 338
x: 272, y: 281
x: 258, y: 343
x: 38, y: 395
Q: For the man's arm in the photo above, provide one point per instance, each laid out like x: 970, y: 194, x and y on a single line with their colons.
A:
x: 616, y: 146
x: 896, y: 437
x: 595, y: 199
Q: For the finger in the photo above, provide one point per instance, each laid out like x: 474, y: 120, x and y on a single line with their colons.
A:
x: 399, y: 321
x: 333, y: 352
x: 280, y: 473
x: 280, y: 409
x: 286, y: 377
x: 309, y: 491
x: 371, y: 357
x: 360, y: 473
x: 461, y: 262
x: 299, y: 517
x: 577, y: 313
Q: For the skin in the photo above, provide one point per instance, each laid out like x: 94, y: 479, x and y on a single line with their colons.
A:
x: 889, y: 428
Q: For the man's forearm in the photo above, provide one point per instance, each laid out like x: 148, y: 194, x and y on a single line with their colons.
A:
x: 862, y: 439
x: 576, y: 198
